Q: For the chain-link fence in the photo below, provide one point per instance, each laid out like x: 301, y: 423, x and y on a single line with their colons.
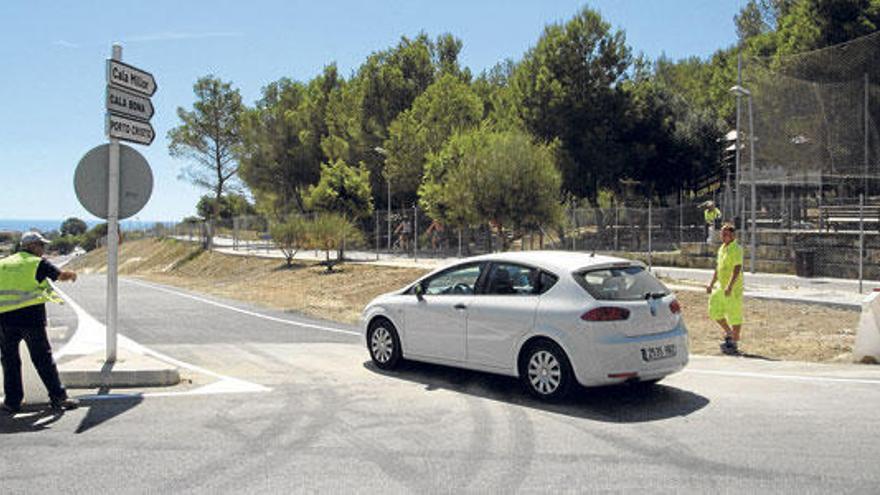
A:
x: 811, y: 236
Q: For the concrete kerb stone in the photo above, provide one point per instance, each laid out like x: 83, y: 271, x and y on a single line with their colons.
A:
x: 130, y: 370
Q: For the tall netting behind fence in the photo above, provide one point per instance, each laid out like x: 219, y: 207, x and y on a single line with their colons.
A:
x: 809, y: 150
x: 815, y: 122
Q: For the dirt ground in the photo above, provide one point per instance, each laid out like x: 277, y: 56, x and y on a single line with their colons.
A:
x: 772, y: 329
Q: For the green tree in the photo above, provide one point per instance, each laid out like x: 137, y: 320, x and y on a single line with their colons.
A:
x: 499, y: 103
x: 568, y: 88
x: 290, y: 236
x: 208, y: 136
x: 63, y: 245
x: 91, y: 239
x: 73, y: 226
x: 386, y: 84
x: 329, y: 232
x: 274, y: 164
x: 282, y: 139
x: 342, y: 189
x: 231, y: 205
x: 446, y: 107
x: 812, y: 24
x: 497, y: 178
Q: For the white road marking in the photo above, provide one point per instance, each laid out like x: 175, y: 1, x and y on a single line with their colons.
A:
x: 90, y: 337
x: 748, y: 374
x: 243, y: 311
x: 78, y: 342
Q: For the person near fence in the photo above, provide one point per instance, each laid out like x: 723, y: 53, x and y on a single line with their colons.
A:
x: 712, y: 215
x: 24, y: 290
x: 726, y: 300
x: 404, y: 232
x: 435, y: 234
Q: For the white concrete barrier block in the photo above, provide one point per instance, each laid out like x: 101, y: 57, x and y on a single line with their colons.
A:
x: 34, y: 390
x: 867, y: 347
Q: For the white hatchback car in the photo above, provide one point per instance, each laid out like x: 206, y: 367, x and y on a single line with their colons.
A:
x: 547, y: 317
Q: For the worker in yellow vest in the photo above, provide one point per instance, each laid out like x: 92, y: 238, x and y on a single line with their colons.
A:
x: 712, y: 215
x: 726, y: 299
x: 24, y: 290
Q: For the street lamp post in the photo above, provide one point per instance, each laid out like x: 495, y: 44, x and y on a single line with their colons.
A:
x: 741, y: 91
x: 382, y: 151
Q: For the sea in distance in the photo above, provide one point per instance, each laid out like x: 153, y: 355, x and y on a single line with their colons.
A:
x: 17, y: 225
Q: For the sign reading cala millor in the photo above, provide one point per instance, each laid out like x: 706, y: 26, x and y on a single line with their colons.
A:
x: 131, y: 78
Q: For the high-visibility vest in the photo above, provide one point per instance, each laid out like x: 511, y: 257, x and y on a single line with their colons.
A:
x: 18, y: 283
x: 711, y: 214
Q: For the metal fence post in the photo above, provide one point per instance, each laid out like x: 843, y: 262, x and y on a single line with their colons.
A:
x: 459, y: 242
x: 616, y: 226
x: 650, y: 232
x: 861, y: 239
x: 680, y: 220
x: 376, y: 218
x: 415, y: 233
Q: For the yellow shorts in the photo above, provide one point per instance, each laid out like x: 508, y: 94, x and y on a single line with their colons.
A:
x: 729, y: 308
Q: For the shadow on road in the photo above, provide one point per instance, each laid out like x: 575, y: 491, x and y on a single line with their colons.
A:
x: 30, y: 419
x: 104, y: 407
x: 618, y: 404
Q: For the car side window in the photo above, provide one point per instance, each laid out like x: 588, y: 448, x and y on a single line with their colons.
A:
x: 547, y: 280
x: 459, y: 280
x: 512, y: 279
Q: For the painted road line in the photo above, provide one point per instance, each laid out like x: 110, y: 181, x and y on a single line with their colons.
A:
x: 90, y: 337
x: 243, y: 311
x: 748, y: 374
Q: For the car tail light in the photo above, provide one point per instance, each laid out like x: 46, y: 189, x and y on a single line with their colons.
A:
x: 606, y: 313
x: 675, y: 307
x: 628, y: 375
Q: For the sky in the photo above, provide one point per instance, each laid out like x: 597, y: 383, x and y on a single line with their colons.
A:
x: 53, y: 56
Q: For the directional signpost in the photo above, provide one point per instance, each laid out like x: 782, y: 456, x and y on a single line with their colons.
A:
x: 129, y: 111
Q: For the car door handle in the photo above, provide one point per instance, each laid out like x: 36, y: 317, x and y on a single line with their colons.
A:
x: 460, y: 306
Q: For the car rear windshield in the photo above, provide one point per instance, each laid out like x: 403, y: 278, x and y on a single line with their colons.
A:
x: 623, y: 283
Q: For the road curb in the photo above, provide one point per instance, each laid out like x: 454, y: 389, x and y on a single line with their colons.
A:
x: 129, y: 370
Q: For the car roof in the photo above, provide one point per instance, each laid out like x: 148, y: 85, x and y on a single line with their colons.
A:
x: 556, y: 261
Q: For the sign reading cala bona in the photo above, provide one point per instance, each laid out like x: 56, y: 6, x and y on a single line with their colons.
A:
x: 125, y: 103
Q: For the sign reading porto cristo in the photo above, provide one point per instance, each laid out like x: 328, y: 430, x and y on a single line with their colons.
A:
x: 130, y: 130
x: 128, y: 104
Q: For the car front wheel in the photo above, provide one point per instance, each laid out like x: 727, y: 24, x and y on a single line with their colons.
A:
x: 384, y: 344
x: 545, y: 371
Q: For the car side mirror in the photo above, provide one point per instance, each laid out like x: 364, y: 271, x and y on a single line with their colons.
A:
x: 420, y: 292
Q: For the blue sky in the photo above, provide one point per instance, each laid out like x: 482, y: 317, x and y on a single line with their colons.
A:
x: 53, y: 56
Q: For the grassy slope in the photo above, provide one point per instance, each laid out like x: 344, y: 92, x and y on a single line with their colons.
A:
x: 304, y: 288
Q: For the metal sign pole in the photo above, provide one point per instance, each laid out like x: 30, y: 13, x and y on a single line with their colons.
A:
x: 113, y: 238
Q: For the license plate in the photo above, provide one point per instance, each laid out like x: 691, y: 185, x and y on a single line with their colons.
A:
x: 659, y: 352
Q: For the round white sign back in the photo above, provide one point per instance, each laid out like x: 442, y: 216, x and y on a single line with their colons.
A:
x: 91, y: 182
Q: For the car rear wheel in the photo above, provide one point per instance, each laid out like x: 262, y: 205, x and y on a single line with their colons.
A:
x: 545, y: 371
x: 384, y: 344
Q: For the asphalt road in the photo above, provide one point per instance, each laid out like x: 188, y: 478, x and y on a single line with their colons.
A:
x: 334, y: 423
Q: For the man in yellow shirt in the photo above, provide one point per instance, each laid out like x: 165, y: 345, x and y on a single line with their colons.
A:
x: 725, y: 301
x: 711, y: 214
